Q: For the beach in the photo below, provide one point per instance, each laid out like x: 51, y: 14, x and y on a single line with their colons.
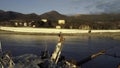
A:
x: 115, y: 34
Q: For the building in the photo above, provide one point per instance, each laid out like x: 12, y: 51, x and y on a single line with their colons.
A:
x: 84, y: 27
x: 25, y: 24
x: 61, y: 22
x: 44, y: 20
x: 58, y: 27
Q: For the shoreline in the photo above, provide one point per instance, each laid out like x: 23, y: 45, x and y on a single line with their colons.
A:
x: 52, y: 30
x: 115, y: 34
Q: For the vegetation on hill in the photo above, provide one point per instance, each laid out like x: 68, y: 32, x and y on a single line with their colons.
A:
x: 94, y: 21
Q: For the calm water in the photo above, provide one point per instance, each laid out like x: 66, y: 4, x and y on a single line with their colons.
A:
x: 75, y: 47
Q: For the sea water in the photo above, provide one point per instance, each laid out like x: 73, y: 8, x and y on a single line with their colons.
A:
x: 74, y: 48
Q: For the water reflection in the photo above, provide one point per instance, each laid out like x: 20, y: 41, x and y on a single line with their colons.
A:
x: 75, y: 47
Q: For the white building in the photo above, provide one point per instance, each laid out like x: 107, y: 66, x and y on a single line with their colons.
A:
x: 61, y: 22
x: 16, y: 23
x: 44, y: 20
x: 25, y: 23
x: 58, y: 27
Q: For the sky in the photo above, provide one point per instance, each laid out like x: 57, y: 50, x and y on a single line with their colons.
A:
x: 62, y: 6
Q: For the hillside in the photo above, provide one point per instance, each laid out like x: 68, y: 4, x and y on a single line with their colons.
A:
x: 53, y: 15
x: 10, y: 15
x: 96, y: 21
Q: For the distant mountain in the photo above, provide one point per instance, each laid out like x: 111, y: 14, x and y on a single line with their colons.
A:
x: 1, y: 11
x: 96, y: 21
x: 53, y: 15
x: 10, y: 15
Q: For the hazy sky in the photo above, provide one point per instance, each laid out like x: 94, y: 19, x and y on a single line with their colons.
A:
x: 62, y: 6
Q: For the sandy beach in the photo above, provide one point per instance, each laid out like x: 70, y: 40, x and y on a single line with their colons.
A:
x: 115, y: 34
x: 53, y: 30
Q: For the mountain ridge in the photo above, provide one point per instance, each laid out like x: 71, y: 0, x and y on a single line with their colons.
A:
x: 10, y: 15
